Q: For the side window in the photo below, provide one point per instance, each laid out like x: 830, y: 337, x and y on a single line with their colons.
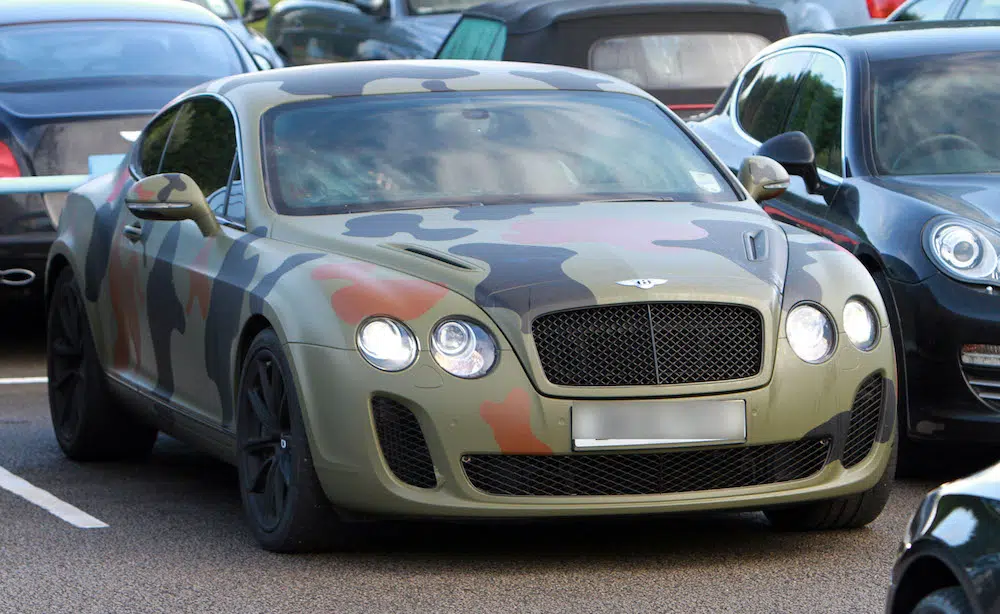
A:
x: 202, y: 144
x: 767, y: 93
x: 475, y: 39
x: 925, y: 10
x: 818, y: 110
x: 153, y: 142
x: 980, y: 9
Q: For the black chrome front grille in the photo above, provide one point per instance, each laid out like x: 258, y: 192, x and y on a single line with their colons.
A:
x: 866, y: 416
x: 645, y: 473
x: 985, y: 382
x: 643, y: 344
x: 403, y: 445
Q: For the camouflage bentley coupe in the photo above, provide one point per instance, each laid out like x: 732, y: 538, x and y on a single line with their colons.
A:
x: 463, y: 289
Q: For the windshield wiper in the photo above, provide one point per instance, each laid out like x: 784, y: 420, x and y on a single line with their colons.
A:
x: 636, y: 199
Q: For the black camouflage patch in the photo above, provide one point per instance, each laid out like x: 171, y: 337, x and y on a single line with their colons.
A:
x: 99, y: 249
x: 388, y: 224
x: 267, y: 283
x: 350, y: 78
x: 174, y: 183
x: 164, y: 310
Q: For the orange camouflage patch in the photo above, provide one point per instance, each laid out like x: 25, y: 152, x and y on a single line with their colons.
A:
x: 403, y: 299
x: 510, y: 420
x: 143, y: 194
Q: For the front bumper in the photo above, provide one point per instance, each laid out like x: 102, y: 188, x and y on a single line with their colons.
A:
x: 503, y: 414
x: 938, y: 317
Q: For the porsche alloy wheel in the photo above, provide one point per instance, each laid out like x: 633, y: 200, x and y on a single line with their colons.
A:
x: 88, y: 422
x: 283, y: 501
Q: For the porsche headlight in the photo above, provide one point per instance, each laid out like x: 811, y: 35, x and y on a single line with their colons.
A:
x: 463, y: 349
x: 810, y: 333
x: 387, y: 344
x: 964, y: 249
x: 860, y: 324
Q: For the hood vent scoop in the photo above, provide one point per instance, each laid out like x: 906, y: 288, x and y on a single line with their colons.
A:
x: 439, y: 257
x: 756, y: 245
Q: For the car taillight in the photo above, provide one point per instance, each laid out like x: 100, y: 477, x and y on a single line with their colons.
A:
x: 8, y: 165
x: 880, y: 9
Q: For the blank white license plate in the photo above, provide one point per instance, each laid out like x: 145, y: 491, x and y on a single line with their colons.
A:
x: 652, y: 424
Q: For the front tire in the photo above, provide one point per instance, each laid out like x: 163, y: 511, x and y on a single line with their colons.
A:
x: 89, y: 424
x: 850, y: 512
x: 950, y: 600
x: 283, y: 501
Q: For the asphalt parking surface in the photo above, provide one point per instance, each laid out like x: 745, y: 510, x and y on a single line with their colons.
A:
x: 176, y: 543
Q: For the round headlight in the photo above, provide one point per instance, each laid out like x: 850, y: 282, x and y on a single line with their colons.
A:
x: 965, y: 250
x: 810, y: 333
x: 387, y: 344
x: 463, y: 349
x: 860, y: 324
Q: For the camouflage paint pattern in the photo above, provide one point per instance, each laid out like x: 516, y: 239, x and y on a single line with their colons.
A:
x: 171, y: 311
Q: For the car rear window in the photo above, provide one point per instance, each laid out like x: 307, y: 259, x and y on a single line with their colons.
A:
x: 676, y: 61
x: 93, y: 49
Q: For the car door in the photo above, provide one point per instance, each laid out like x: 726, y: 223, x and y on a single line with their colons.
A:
x: 179, y: 265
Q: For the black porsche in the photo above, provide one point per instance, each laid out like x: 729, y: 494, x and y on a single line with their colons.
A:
x: 82, y: 79
x: 892, y: 135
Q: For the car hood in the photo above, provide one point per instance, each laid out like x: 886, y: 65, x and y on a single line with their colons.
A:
x: 975, y: 196
x: 518, y: 261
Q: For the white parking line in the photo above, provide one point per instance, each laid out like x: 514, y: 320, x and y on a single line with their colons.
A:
x: 23, y: 380
x: 48, y: 501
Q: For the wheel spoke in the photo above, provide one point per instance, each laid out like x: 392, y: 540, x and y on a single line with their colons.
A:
x: 260, y: 409
x: 280, y: 400
x: 66, y: 348
x: 259, y: 482
x: 266, y: 389
x: 63, y: 378
x: 285, y: 467
x: 256, y: 445
x: 276, y: 490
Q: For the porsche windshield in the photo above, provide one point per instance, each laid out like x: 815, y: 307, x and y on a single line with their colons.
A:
x: 937, y: 114
x: 75, y: 50
x: 413, y: 150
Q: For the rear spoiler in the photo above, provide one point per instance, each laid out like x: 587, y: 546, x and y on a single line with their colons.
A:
x: 96, y: 166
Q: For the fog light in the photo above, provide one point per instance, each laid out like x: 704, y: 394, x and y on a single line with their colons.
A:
x: 981, y: 355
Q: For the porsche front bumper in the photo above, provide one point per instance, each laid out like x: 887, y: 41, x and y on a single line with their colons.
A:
x: 500, y: 449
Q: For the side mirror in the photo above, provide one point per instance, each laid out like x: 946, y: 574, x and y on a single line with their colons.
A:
x: 794, y: 151
x: 372, y: 7
x: 763, y: 178
x: 171, y: 197
x: 255, y: 10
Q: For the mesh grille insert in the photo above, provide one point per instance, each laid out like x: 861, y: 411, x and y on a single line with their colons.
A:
x: 985, y: 382
x: 646, y: 473
x: 866, y: 414
x: 643, y: 344
x: 403, y: 444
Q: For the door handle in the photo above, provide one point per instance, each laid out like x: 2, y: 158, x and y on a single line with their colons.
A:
x: 132, y: 232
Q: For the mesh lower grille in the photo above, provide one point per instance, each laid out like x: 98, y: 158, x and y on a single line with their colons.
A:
x: 643, y: 344
x: 985, y: 382
x: 645, y: 474
x: 866, y: 415
x: 403, y: 444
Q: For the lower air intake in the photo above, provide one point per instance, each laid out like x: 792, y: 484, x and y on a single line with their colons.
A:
x: 403, y: 445
x: 866, y: 416
x: 646, y: 473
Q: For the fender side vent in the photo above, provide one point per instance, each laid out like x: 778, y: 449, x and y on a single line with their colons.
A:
x: 426, y: 252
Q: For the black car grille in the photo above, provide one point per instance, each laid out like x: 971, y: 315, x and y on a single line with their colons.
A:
x: 985, y: 382
x: 866, y: 416
x: 645, y: 473
x: 642, y: 344
x: 403, y: 445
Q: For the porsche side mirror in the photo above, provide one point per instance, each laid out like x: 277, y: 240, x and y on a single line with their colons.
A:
x: 794, y: 151
x: 255, y: 10
x: 763, y: 178
x: 171, y: 197
x: 372, y: 7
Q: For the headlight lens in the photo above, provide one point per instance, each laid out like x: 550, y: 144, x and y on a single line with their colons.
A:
x: 860, y: 324
x: 964, y: 249
x: 463, y: 349
x: 810, y: 333
x: 387, y: 344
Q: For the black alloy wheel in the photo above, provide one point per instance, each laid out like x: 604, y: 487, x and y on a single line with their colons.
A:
x: 67, y: 382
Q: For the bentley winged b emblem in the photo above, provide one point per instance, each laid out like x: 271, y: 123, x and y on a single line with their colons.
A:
x: 644, y: 284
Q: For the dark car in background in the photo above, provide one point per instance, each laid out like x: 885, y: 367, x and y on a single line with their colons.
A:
x: 892, y: 135
x: 317, y: 31
x: 82, y: 79
x: 684, y: 53
x: 821, y: 15
x: 935, y: 10
x: 263, y: 52
x: 949, y: 560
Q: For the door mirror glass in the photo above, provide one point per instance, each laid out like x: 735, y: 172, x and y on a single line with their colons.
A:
x: 372, y: 7
x: 763, y: 178
x: 171, y: 197
x: 795, y: 153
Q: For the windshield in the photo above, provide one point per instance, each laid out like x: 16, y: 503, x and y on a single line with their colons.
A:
x: 422, y: 150
x: 222, y: 8
x: 427, y: 7
x: 88, y: 50
x: 937, y: 114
